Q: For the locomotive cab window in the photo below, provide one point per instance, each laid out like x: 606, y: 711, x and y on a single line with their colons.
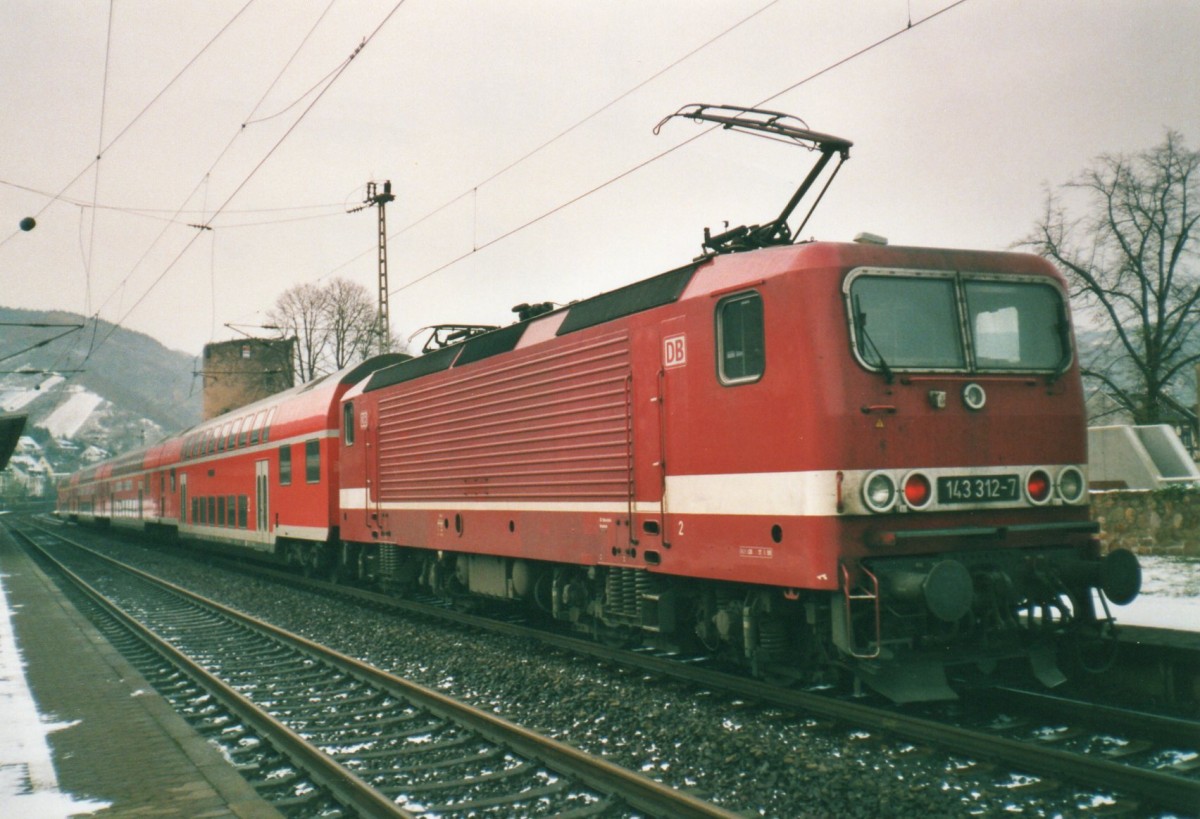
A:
x: 1015, y: 325
x: 956, y: 322
x: 741, y: 357
x: 348, y: 423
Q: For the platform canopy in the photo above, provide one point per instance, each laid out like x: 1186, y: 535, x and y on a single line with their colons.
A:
x: 11, y: 425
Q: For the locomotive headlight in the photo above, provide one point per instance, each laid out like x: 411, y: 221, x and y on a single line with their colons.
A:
x: 1071, y: 485
x: 1038, y: 486
x: 879, y: 492
x: 917, y: 491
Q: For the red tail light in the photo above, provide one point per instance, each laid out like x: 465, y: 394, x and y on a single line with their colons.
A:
x: 1037, y: 486
x: 917, y: 491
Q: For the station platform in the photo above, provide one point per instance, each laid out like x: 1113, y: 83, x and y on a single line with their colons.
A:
x: 82, y: 732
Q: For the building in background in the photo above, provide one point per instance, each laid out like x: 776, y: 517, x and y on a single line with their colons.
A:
x: 239, y: 372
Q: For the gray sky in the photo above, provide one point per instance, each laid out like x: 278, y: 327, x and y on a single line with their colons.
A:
x: 959, y: 123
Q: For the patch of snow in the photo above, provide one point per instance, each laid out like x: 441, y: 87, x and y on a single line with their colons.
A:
x: 14, y: 399
x: 1170, y: 596
x: 28, y: 781
x: 70, y: 415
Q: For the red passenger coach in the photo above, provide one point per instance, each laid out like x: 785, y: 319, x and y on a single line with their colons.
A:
x: 262, y: 477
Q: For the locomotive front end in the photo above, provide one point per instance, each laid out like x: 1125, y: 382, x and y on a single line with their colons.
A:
x: 967, y: 538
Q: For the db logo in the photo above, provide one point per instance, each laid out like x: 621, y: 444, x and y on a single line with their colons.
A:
x: 674, y: 351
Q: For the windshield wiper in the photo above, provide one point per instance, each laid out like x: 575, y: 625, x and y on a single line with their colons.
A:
x: 860, y: 327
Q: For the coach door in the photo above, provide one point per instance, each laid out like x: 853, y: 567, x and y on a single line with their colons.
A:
x: 262, y: 516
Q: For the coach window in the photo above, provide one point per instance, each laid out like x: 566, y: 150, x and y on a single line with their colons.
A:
x: 267, y: 424
x: 232, y: 442
x: 258, y: 422
x: 244, y: 436
x: 220, y: 510
x: 741, y: 355
x: 312, y: 461
x: 285, y: 465
x: 348, y: 423
x: 243, y: 505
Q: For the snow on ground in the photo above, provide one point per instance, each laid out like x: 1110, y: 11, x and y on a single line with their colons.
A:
x: 1170, y: 595
x: 12, y: 400
x: 28, y: 782
x: 71, y: 414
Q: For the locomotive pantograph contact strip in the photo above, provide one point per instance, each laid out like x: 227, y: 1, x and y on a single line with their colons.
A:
x: 380, y: 745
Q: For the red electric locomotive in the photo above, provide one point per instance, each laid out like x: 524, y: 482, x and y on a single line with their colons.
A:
x: 802, y: 456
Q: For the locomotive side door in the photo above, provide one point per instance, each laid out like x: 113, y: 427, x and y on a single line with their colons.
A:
x: 672, y: 410
x: 359, y: 442
x: 379, y: 517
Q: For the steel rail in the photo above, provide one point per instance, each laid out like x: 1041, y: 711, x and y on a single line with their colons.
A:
x: 345, y: 787
x: 639, y: 792
x: 1158, y: 787
x: 1171, y: 729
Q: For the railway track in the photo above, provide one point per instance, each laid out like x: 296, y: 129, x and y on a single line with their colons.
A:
x: 1146, y: 760
x: 1137, y: 762
x: 377, y: 744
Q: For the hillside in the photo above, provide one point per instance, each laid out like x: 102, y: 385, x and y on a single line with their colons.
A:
x: 80, y: 392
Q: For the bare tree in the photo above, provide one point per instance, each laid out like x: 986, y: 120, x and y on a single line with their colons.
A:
x: 352, y: 318
x: 300, y: 313
x: 334, y: 325
x: 1131, y: 263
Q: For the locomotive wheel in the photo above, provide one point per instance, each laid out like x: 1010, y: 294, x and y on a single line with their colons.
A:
x: 705, y: 629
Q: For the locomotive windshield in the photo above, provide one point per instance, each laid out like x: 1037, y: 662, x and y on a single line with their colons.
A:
x: 956, y: 322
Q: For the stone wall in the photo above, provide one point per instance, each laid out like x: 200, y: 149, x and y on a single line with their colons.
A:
x: 1165, y: 521
x: 240, y: 372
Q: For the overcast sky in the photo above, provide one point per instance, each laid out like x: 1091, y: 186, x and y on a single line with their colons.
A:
x: 959, y: 124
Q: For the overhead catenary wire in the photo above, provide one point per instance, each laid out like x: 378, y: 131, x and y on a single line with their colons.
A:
x: 98, y: 341
x: 204, y: 177
x: 473, y: 191
x: 170, y: 83
x: 104, y: 147
x: 254, y: 171
x: 639, y: 166
x: 335, y: 208
x: 484, y: 244
x: 87, y: 261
